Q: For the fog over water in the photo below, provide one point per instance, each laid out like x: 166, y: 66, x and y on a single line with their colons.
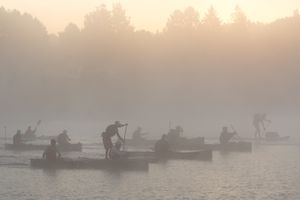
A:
x: 198, y: 72
x: 266, y: 173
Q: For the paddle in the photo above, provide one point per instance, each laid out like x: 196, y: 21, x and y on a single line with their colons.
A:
x: 124, y: 137
x: 38, y: 123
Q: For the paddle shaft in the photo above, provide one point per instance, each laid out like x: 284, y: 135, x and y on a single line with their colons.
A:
x: 124, y: 137
x: 38, y: 123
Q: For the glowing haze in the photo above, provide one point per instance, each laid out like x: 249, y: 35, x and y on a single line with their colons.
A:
x: 150, y: 15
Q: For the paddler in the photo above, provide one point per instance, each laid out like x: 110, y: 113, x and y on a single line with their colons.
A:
x: 226, y: 136
x: 111, y: 131
x: 258, y: 122
x: 17, y: 139
x: 138, y: 134
x: 51, y: 153
x: 63, y: 138
x: 162, y: 146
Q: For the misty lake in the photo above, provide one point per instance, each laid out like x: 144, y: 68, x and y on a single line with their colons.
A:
x: 269, y: 172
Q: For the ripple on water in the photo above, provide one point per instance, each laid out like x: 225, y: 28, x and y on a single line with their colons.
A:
x: 267, y: 173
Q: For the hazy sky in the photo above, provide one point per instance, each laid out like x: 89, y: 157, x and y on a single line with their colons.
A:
x: 147, y: 14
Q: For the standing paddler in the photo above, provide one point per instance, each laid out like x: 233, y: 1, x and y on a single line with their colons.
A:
x: 258, y: 122
x: 111, y: 131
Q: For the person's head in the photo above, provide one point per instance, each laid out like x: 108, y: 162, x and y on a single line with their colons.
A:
x: 65, y: 132
x: 19, y: 132
x: 118, y: 124
x: 164, y: 137
x: 225, y: 129
x: 29, y: 127
x: 53, y: 142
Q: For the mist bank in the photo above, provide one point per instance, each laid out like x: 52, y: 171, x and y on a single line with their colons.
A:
x: 197, y: 71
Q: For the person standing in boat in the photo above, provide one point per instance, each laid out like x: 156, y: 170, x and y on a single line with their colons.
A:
x: 51, y: 153
x: 162, y: 146
x: 226, y: 136
x: 17, y: 139
x: 63, y: 138
x: 111, y: 131
x: 258, y: 122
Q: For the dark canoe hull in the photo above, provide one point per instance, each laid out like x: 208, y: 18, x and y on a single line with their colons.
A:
x: 46, y: 137
x: 42, y: 137
x: 185, y: 155
x: 139, y: 143
x: 120, y: 164
x: 277, y: 139
x: 33, y: 147
x: 180, y: 144
x: 231, y: 147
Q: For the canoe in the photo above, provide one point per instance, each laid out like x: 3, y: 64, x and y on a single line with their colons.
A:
x: 179, y: 144
x: 140, y: 143
x: 46, y: 137
x: 231, y: 147
x: 279, y: 139
x: 36, y: 147
x: 119, y: 164
x: 186, y: 155
x: 275, y: 137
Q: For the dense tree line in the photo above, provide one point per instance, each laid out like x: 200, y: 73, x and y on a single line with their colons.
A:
x: 196, y: 64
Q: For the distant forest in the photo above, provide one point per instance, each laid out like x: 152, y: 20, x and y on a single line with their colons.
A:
x: 196, y: 65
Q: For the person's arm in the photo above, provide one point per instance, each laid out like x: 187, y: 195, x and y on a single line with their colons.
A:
x: 125, y: 125
x: 266, y: 120
x: 120, y: 137
x: 44, y: 154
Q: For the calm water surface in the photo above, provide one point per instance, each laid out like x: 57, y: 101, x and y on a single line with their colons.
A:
x: 269, y: 172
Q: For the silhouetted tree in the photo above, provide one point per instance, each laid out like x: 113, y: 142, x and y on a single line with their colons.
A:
x: 239, y: 18
x: 211, y: 20
x: 107, y: 65
x: 183, y: 22
x: 120, y: 22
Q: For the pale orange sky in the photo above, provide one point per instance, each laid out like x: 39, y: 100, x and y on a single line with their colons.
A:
x: 147, y: 14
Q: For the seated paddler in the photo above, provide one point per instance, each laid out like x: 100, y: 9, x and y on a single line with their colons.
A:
x: 51, y: 153
x: 226, y: 136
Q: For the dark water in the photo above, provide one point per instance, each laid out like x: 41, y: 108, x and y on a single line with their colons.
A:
x: 269, y: 172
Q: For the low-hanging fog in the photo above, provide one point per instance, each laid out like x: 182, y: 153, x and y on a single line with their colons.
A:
x: 197, y: 72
